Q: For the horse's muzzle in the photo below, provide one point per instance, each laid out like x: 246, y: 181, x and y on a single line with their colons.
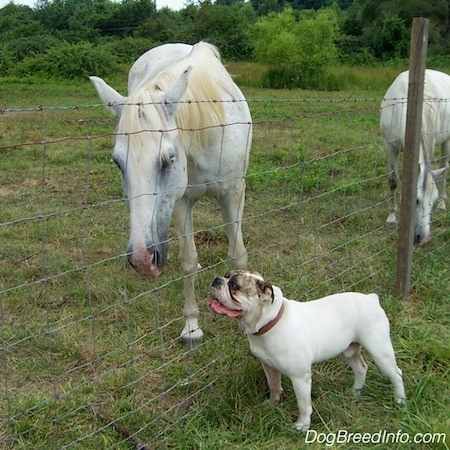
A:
x: 421, y: 239
x: 147, y: 261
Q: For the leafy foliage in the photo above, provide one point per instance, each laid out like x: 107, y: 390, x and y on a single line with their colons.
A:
x: 227, y: 27
x: 296, y: 50
x: 69, y: 61
x: 363, y: 31
x: 389, y: 38
x: 30, y: 45
x: 128, y: 49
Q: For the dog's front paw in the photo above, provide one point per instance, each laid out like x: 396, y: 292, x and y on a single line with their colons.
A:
x: 303, y: 427
x: 271, y: 402
x: 275, y: 397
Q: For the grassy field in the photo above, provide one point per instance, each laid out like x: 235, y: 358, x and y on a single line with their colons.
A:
x: 86, y: 344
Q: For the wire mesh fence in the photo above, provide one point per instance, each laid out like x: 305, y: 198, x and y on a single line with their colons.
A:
x: 90, y: 355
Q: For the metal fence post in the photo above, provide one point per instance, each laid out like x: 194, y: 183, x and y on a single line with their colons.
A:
x: 417, y: 62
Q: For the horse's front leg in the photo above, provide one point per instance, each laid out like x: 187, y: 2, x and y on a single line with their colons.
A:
x: 232, y: 205
x: 392, y: 152
x: 391, y: 220
x: 444, y: 162
x: 188, y: 259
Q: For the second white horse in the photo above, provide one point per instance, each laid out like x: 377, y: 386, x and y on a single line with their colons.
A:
x: 435, y: 131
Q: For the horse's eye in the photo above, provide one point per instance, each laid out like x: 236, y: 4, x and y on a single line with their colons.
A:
x: 165, y: 164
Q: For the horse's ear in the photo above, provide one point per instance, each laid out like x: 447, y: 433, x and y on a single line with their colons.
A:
x: 176, y: 92
x: 108, y: 95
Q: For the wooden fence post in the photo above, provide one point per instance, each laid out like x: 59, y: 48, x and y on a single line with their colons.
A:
x: 417, y: 62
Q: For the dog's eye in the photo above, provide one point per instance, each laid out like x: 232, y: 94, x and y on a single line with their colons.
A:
x: 233, y: 285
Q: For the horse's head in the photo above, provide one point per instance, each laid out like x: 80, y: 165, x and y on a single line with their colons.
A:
x: 153, y: 166
x: 427, y: 196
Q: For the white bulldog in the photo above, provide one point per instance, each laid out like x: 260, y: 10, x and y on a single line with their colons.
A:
x: 289, y: 336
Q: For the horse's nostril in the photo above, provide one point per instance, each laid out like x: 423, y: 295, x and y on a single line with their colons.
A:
x: 130, y: 260
x: 157, y: 259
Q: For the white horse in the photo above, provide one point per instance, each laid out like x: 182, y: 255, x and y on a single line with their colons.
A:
x: 435, y: 131
x: 184, y: 131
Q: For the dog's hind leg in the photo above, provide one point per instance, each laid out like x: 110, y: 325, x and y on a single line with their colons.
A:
x: 354, y: 359
x: 274, y: 382
x: 383, y: 355
x: 388, y: 365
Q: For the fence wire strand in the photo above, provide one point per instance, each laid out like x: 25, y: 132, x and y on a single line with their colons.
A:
x: 103, y: 345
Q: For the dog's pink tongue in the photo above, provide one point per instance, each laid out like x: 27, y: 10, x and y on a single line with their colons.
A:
x: 218, y: 308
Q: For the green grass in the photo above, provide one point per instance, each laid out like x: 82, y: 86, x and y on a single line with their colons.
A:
x: 80, y: 331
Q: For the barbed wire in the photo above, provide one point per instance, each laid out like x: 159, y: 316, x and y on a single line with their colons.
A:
x: 42, y: 108
x: 393, y: 100
x: 149, y: 130
x: 141, y: 342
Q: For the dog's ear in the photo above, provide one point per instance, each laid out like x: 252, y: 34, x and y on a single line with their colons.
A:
x: 265, y: 289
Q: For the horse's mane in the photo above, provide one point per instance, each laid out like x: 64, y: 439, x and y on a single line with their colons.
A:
x: 205, y: 89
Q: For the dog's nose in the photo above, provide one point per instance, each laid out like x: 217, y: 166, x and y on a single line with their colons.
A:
x: 216, y: 282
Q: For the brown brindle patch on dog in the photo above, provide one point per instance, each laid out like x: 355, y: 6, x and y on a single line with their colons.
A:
x: 250, y: 284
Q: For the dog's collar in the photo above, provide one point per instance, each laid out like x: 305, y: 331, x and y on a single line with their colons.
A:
x: 269, y: 325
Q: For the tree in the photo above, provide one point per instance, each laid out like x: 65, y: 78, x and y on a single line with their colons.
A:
x: 227, y: 27
x: 161, y: 28
x: 265, y: 7
x: 18, y: 21
x: 377, y: 15
x: 131, y: 14
x: 388, y: 37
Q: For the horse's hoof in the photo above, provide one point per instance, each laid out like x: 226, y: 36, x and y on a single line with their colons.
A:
x: 392, y: 223
x: 191, y: 343
x: 192, y: 339
x: 441, y: 205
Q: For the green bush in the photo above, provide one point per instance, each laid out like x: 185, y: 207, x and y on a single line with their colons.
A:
x: 25, y: 46
x: 297, y: 50
x: 69, y: 61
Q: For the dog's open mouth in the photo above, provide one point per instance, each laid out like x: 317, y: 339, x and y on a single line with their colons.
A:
x: 219, y: 308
